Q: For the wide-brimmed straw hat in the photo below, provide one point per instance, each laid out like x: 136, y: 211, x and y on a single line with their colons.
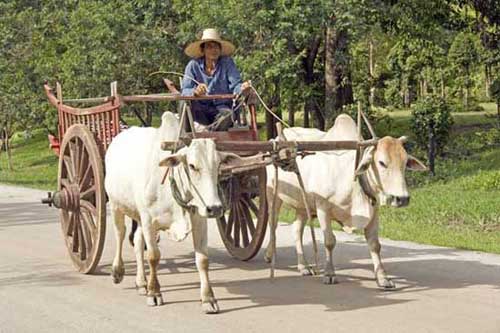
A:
x: 193, y: 50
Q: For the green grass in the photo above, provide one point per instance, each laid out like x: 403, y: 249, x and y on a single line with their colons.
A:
x: 459, y: 207
x: 35, y: 165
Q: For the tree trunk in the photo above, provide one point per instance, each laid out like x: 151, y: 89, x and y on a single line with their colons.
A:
x: 443, y: 95
x: 149, y: 114
x: 466, y: 98
x: 432, y: 150
x: 270, y: 125
x: 306, y: 117
x: 487, y: 81
x: 1, y: 144
x: 308, y: 65
x: 7, y: 148
x: 338, y: 86
x: 291, y: 111
x: 274, y: 106
x: 371, y: 67
x: 405, y: 91
x: 467, y: 86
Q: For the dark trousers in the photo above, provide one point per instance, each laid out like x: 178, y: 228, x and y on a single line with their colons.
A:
x: 219, y: 120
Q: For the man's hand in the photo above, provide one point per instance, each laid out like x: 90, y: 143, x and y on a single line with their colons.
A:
x: 245, y: 86
x: 200, y: 90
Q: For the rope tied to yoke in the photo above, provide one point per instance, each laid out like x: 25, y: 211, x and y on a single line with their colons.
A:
x: 286, y: 159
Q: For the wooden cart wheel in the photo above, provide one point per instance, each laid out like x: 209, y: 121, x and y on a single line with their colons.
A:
x: 81, y: 187
x: 245, y: 227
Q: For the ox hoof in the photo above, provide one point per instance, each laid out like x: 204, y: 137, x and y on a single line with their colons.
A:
x: 305, y: 270
x: 210, y: 306
x: 117, y: 274
x: 267, y: 258
x: 330, y: 279
x: 141, y: 290
x: 155, y: 300
x: 386, y: 284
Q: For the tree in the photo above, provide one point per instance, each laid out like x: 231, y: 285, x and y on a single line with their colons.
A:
x: 463, y: 55
x: 431, y: 122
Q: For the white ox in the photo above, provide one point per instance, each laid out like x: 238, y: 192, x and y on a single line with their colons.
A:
x: 135, y: 166
x: 334, y: 194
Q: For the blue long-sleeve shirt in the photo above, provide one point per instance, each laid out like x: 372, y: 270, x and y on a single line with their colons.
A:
x: 225, y: 80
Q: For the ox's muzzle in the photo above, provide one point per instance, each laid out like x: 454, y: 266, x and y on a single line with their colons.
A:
x: 215, y: 211
x: 396, y: 201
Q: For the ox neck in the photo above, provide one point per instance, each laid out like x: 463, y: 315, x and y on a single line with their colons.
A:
x: 370, y: 184
x: 182, y: 196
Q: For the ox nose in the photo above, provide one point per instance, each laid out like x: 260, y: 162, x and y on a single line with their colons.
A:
x: 214, y: 211
x: 402, y: 201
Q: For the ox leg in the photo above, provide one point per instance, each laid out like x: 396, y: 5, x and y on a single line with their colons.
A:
x: 118, y: 269
x: 298, y: 228
x: 329, y: 276
x: 154, y: 297
x: 199, y: 231
x: 140, y: 279
x: 268, y: 254
x: 371, y: 235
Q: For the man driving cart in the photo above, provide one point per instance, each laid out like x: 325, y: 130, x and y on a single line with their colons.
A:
x: 212, y: 71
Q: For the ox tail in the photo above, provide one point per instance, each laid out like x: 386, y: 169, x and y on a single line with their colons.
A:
x: 132, y: 234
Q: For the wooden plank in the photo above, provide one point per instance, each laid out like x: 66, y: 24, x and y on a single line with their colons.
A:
x: 268, y: 146
x: 171, y: 97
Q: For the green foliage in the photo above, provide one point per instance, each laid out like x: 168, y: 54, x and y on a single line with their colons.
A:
x: 483, y: 180
x: 495, y: 89
x: 431, y: 116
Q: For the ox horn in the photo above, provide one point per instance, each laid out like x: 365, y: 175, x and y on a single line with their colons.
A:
x: 403, y: 139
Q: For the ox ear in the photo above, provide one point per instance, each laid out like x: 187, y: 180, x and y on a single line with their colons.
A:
x: 173, y: 160
x: 415, y: 165
x: 366, y: 160
x: 229, y: 159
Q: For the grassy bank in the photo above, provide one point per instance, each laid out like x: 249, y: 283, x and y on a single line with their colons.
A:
x: 35, y: 165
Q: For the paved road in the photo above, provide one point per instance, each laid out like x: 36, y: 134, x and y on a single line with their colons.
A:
x: 440, y: 289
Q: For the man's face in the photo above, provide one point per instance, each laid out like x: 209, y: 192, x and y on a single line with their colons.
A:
x: 212, y: 50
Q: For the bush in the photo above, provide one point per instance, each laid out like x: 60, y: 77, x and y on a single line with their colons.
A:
x: 484, y: 180
x: 431, y: 115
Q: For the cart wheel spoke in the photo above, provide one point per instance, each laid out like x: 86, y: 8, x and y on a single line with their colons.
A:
x: 237, y: 220
x: 229, y: 227
x: 252, y: 206
x: 74, y: 155
x: 69, y: 168
x: 70, y: 227
x: 76, y: 236
x: 89, y: 207
x: 249, y: 219
x: 84, y: 167
x: 65, y: 183
x: 81, y: 237
x: 88, y: 229
x: 244, y: 229
x: 88, y: 193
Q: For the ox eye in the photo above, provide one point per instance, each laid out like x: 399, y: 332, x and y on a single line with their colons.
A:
x: 382, y: 164
x: 192, y: 167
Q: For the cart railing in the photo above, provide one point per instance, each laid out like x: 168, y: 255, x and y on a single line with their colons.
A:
x: 103, y: 120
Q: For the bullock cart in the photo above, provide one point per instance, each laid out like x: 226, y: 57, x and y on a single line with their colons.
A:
x: 84, y: 134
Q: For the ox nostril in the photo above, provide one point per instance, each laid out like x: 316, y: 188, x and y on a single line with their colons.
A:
x: 214, y: 211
